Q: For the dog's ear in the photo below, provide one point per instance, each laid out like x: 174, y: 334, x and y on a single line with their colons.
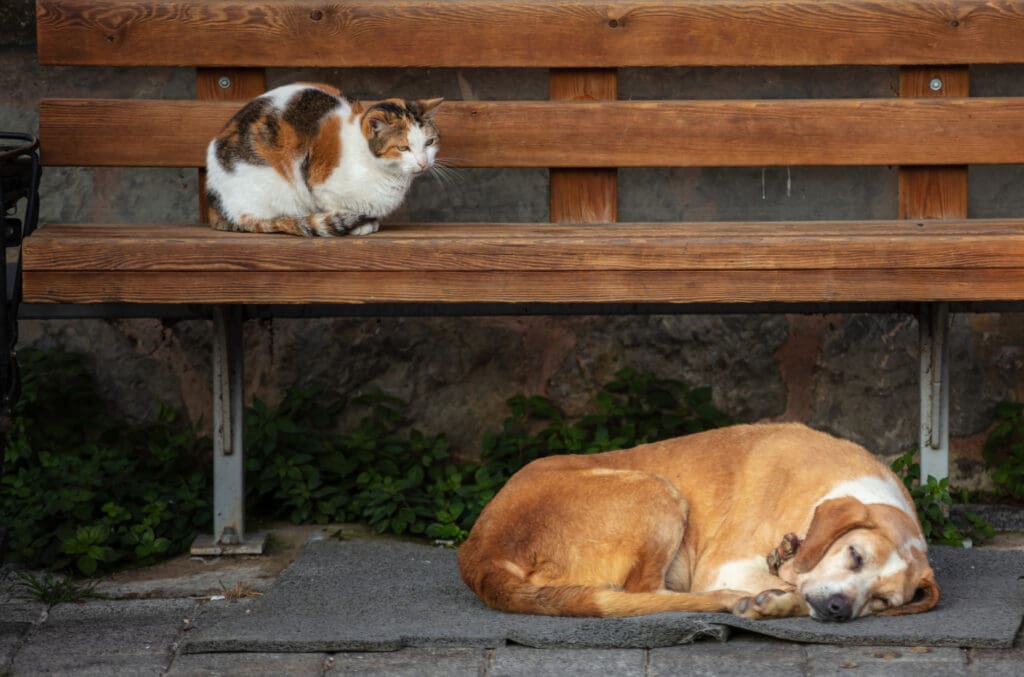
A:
x: 926, y: 596
x: 832, y: 519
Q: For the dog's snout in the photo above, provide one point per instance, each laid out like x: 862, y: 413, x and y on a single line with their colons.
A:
x: 837, y: 607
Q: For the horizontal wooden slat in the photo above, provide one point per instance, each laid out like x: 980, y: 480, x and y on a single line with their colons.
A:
x: 593, y: 134
x: 528, y: 33
x: 869, y: 246
x: 744, y: 286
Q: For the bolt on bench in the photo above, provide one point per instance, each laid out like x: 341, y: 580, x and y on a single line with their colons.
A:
x: 928, y: 256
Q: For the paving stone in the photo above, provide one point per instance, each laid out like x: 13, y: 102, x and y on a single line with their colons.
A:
x: 20, y: 612
x: 104, y: 638
x: 9, y: 642
x: 996, y: 662
x: 17, y: 618
x: 411, y: 662
x: 741, y: 655
x: 248, y: 665
x: 510, y: 661
x: 888, y: 660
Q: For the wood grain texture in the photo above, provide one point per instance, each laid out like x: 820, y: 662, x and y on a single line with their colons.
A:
x: 738, y: 286
x: 583, y: 195
x: 879, y: 246
x: 528, y: 33
x: 933, y: 192
x: 225, y: 84
x: 605, y: 134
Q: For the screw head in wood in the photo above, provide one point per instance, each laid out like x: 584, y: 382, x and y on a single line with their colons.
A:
x: 935, y: 84
x: 224, y: 82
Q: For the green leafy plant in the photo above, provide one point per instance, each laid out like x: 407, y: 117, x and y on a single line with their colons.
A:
x: 932, y: 500
x: 86, y: 491
x: 1004, y: 449
x: 632, y: 409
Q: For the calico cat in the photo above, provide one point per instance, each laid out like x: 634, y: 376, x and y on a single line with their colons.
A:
x: 305, y: 160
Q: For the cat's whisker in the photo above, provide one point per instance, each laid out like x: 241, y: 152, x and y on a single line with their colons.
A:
x: 449, y: 161
x: 446, y: 176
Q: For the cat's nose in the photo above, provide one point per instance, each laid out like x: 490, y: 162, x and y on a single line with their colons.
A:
x: 422, y: 162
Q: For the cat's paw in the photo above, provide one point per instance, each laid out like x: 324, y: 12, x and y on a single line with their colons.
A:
x: 366, y: 227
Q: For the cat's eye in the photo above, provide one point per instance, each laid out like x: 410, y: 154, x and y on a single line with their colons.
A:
x: 403, y: 149
x: 430, y: 142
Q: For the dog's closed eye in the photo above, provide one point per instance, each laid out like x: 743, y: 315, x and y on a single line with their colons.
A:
x: 856, y: 559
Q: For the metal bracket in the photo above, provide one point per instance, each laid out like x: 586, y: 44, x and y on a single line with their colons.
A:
x: 229, y: 537
x: 933, y: 339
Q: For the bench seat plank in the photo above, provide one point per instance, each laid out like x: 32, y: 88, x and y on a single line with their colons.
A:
x: 527, y: 33
x: 675, y: 287
x: 147, y: 133
x: 449, y: 263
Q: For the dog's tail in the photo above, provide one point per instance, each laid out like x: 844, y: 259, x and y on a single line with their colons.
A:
x: 501, y: 586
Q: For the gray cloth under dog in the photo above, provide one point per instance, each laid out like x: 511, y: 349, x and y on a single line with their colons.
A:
x: 382, y: 595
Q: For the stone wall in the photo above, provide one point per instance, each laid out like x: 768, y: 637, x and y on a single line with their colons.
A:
x: 854, y: 375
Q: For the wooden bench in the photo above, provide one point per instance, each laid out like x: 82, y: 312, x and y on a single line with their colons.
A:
x: 928, y: 255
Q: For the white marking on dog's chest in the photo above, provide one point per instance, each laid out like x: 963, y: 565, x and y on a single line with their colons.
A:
x: 740, y: 574
x: 870, y: 489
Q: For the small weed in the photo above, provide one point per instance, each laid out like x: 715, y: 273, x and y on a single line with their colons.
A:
x: 239, y: 590
x: 933, y: 501
x: 50, y: 589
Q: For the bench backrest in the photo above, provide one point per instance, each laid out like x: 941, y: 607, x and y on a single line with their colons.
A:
x: 582, y: 132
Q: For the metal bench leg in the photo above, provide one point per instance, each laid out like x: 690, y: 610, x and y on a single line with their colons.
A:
x: 933, y: 326
x: 229, y: 537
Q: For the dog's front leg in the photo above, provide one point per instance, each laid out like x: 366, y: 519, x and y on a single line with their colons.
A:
x: 772, y: 603
x: 769, y: 595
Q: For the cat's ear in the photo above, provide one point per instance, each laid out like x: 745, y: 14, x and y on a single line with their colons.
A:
x: 375, y: 121
x: 428, y: 105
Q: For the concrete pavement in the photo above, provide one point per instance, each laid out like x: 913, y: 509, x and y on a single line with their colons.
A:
x: 129, y: 635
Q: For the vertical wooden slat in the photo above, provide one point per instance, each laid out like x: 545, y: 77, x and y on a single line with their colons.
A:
x: 242, y: 84
x: 583, y: 195
x: 933, y: 192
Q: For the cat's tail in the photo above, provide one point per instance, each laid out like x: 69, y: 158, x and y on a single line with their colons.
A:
x: 325, y: 224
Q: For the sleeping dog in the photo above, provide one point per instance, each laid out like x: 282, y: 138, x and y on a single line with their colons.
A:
x: 765, y: 521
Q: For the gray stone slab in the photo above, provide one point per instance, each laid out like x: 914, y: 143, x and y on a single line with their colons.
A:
x: 385, y: 595
x: 20, y: 613
x: 17, y: 617
x: 996, y: 662
x: 742, y: 655
x: 248, y: 665
x: 413, y: 662
x: 520, y: 661
x: 104, y: 638
x: 1002, y: 517
x: 886, y: 660
x: 9, y: 643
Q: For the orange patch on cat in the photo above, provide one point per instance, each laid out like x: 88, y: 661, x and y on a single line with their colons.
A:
x: 279, y: 155
x: 357, y: 110
x: 325, y: 153
x: 217, y: 219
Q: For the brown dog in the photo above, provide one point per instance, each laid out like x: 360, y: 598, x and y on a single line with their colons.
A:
x: 686, y: 525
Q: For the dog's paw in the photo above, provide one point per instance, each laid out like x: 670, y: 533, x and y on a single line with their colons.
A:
x: 771, y: 604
